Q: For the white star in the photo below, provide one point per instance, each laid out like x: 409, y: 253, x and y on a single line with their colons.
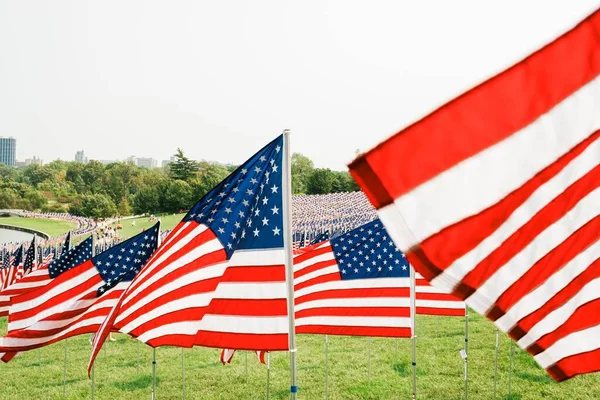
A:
x: 244, y: 171
x: 274, y: 189
x: 265, y: 201
x: 277, y: 148
x: 257, y: 170
x: 256, y: 232
x: 275, y: 210
x: 275, y: 168
x: 265, y: 221
x: 276, y: 231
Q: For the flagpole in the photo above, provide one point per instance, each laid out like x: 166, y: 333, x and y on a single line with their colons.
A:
x: 93, y: 255
x: 65, y: 373
x: 369, y: 369
x: 512, y: 355
x: 268, y: 375
x: 287, y: 246
x: 153, y: 373
x: 182, y: 375
x: 496, y: 361
x: 246, y: 366
x: 413, y: 312
x: 466, y: 352
x: 326, y: 367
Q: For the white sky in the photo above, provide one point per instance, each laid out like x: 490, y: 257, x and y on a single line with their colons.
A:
x: 221, y: 78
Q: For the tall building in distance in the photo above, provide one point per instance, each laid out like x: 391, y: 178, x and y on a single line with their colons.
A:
x: 80, y: 157
x: 8, y: 151
x: 145, y: 162
x: 34, y: 161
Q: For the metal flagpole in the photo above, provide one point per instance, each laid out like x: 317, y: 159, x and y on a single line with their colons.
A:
x: 153, y: 373
x: 268, y: 375
x: 287, y: 245
x: 465, y: 355
x: 182, y: 375
x: 326, y: 367
x: 65, y: 373
x: 369, y: 371
x: 413, y: 312
x: 93, y: 254
x: 246, y: 366
x: 512, y: 355
x: 496, y: 361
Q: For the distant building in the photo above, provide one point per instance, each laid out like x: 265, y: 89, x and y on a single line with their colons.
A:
x: 146, y: 162
x: 80, y: 157
x: 165, y: 163
x: 20, y: 164
x: 8, y: 151
x: 131, y: 160
x: 34, y: 161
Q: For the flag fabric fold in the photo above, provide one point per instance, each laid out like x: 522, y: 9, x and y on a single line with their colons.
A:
x: 494, y: 197
x: 218, y: 280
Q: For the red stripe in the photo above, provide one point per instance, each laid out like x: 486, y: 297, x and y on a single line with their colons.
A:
x: 314, y: 267
x: 577, y: 364
x: 249, y: 307
x: 332, y: 277
x: 254, y: 273
x: 307, y: 255
x: 437, y: 296
x: 354, y: 312
x: 450, y: 312
x: 457, y: 131
x: 219, y: 340
x: 354, y: 331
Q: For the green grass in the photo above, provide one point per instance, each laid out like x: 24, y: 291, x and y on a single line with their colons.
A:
x: 124, y: 368
x: 166, y: 222
x: 50, y: 226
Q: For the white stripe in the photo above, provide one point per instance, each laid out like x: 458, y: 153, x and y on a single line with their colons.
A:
x: 76, y: 280
x: 251, y: 290
x: 431, y: 289
x: 198, y: 275
x: 355, y: 303
x: 185, y: 259
x: 193, y: 301
x: 244, y: 324
x: 455, y: 305
x: 21, y: 342
x: 556, y: 318
x: 392, y: 322
x: 575, y: 343
x: 257, y: 257
x: 312, y: 261
x: 576, y: 169
x: 315, y: 274
x: 354, y: 284
x: 543, y: 293
x: 484, y: 179
x: 503, y: 278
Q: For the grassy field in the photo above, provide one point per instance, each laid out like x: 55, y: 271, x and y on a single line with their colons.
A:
x: 49, y: 226
x: 124, y: 369
x: 166, y: 222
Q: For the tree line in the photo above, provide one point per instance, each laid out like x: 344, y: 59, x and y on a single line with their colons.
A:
x: 95, y: 190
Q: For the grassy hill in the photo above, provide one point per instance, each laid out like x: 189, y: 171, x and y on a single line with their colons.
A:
x: 49, y: 226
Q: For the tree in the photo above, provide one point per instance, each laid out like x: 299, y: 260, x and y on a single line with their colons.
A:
x: 302, y: 167
x: 9, y: 198
x: 118, y: 178
x: 92, y: 175
x: 320, y: 181
x: 94, y: 206
x: 209, y: 176
x: 178, y: 196
x: 183, y: 168
x: 343, y: 183
x: 146, y: 200
x: 35, y: 199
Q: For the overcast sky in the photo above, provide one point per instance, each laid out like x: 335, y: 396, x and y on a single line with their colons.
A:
x: 221, y: 78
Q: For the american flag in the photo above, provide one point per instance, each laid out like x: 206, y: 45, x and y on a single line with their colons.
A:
x: 45, y: 274
x: 358, y: 284
x: 219, y: 278
x: 30, y: 261
x: 495, y: 197
x: 48, y: 255
x: 10, y: 271
x: 78, y: 300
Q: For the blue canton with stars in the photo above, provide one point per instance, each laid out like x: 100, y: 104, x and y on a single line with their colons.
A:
x: 18, y: 255
x: 245, y: 210
x: 122, y: 262
x: 369, y: 252
x: 75, y: 256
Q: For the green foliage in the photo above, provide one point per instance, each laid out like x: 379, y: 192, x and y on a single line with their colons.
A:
x: 120, y: 188
x: 302, y: 168
x: 183, y: 168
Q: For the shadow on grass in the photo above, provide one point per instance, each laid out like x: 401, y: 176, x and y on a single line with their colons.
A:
x: 60, y: 383
x: 512, y: 397
x: 36, y: 363
x: 210, y: 365
x: 143, y: 382
x: 402, y: 368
